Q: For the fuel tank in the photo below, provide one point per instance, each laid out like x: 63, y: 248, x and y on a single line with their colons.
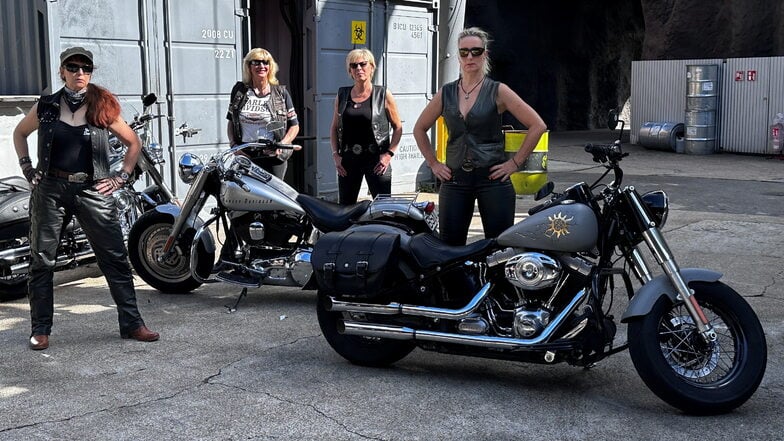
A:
x: 564, y: 228
x: 274, y: 194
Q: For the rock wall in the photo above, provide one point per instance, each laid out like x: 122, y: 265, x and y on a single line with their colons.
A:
x: 572, y: 60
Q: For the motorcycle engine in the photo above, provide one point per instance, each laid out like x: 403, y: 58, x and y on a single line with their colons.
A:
x: 267, y: 228
x: 532, y: 271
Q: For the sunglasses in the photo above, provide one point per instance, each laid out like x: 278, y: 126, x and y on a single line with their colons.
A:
x: 361, y: 64
x: 475, y: 51
x: 258, y: 62
x: 73, y: 68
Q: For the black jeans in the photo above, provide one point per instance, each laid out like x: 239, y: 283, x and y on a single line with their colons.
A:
x: 456, y: 205
x: 51, y: 202
x: 357, y: 167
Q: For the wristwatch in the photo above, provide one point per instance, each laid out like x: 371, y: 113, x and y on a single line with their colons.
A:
x: 390, y: 152
x: 123, y: 175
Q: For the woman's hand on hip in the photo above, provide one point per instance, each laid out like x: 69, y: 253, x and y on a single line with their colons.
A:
x: 441, y: 171
x: 503, y: 170
x: 107, y: 186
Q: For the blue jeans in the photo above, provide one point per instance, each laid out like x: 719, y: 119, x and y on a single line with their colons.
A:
x: 456, y: 205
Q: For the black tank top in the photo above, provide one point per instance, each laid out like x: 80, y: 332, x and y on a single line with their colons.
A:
x: 357, y: 127
x: 72, y: 148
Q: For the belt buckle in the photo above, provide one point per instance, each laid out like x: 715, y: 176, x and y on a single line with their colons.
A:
x: 467, y: 166
x: 78, y: 178
x: 356, y: 149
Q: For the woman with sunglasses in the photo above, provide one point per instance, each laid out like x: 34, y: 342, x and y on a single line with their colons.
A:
x: 476, y: 167
x: 73, y: 179
x: 360, y: 138
x: 258, y: 100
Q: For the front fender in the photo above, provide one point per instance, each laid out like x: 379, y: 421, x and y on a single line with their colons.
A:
x: 645, y: 297
x: 167, y: 209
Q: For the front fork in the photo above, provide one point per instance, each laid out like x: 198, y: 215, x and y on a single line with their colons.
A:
x: 661, y: 251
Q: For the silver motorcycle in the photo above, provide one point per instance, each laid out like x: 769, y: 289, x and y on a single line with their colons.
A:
x: 270, y: 226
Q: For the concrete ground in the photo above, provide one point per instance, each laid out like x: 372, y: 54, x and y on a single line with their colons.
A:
x: 265, y: 371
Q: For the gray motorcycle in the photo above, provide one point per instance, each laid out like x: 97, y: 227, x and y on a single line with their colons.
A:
x: 543, y: 292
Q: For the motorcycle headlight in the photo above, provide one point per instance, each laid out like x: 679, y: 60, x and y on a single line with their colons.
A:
x: 658, y: 205
x: 123, y: 199
x: 189, y: 167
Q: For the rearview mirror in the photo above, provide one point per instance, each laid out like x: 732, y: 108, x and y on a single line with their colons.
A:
x: 149, y: 99
x: 612, y: 119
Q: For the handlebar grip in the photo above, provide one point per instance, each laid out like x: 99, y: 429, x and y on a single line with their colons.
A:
x: 288, y: 146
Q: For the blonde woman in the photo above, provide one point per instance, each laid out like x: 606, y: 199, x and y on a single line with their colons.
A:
x: 258, y: 100
x: 362, y: 145
x: 476, y: 168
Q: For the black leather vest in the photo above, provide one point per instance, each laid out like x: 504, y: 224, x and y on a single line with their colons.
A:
x: 378, y: 116
x: 239, y: 96
x: 478, y: 136
x: 48, y: 115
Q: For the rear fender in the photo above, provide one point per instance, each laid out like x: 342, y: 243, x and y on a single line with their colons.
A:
x: 645, y: 297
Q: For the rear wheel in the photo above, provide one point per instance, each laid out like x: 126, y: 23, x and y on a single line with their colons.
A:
x: 689, y: 373
x: 364, y: 351
x: 172, y: 274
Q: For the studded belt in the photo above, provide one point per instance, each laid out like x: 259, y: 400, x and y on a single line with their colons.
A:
x: 74, y: 177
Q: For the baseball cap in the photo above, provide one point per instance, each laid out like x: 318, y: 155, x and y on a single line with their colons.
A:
x: 76, y: 50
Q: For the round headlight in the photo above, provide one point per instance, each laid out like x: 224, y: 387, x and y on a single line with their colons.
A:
x: 189, y: 166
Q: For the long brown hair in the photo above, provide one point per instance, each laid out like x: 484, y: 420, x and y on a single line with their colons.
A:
x: 102, y: 107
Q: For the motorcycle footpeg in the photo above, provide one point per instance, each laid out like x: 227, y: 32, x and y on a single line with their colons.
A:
x: 240, y: 279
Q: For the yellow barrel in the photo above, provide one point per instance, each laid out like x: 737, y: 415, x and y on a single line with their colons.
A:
x: 442, y: 135
x: 533, y: 173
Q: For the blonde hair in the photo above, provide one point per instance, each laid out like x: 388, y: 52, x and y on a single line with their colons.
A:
x: 362, y: 54
x: 482, y: 35
x: 258, y: 53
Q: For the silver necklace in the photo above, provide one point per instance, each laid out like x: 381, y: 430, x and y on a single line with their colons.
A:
x: 468, y: 94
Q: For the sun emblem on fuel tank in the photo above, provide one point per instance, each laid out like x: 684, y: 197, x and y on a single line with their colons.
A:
x: 559, y: 225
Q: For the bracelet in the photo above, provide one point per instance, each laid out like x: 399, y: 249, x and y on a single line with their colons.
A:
x: 25, y: 160
x: 515, y: 162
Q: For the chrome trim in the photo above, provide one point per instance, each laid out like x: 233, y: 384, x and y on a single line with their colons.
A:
x: 422, y: 311
x: 406, y: 333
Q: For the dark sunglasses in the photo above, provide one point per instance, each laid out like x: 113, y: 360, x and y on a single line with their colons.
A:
x: 73, y: 68
x: 258, y: 62
x: 475, y: 51
x: 361, y: 64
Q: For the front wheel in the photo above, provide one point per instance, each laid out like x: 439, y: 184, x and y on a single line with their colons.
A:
x: 145, y: 248
x: 699, y: 377
x: 364, y: 351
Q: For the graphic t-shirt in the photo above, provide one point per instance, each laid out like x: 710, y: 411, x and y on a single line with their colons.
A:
x: 254, y: 116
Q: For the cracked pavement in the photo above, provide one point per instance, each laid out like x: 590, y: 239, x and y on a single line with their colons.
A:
x: 265, y: 372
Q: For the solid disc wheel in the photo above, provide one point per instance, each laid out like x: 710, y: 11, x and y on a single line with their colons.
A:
x: 364, y: 351
x: 145, y: 248
x: 684, y: 370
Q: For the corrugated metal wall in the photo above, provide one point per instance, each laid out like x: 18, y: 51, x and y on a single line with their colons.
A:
x: 752, y: 92
x: 24, y: 69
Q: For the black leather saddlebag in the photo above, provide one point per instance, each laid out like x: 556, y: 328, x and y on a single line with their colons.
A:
x: 355, y: 264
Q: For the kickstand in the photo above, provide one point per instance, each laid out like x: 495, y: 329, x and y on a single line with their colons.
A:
x: 234, y: 307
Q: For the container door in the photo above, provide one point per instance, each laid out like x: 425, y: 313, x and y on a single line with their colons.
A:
x: 745, y: 105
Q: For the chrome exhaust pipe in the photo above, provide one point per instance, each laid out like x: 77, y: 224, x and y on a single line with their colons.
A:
x: 22, y: 268
x: 394, y: 332
x: 421, y: 311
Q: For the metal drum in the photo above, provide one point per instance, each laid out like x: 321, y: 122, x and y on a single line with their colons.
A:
x: 660, y: 135
x: 702, y: 99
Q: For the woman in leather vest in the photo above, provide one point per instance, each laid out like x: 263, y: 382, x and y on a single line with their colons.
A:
x: 476, y: 167
x: 360, y: 138
x: 73, y: 179
x: 258, y: 100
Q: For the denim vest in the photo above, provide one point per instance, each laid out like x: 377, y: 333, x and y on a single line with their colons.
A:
x: 478, y: 136
x: 48, y: 115
x: 378, y: 114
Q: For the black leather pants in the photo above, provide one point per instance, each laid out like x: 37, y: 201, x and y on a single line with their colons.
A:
x: 357, y: 167
x: 53, y: 200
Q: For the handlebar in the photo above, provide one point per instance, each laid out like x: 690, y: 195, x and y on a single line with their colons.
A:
x: 606, y: 152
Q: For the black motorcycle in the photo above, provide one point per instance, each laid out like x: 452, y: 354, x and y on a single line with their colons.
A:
x: 543, y: 292
x: 74, y: 249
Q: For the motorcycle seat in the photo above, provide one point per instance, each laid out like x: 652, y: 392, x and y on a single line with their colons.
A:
x: 429, y: 251
x: 14, y: 183
x: 329, y: 216
x: 14, y: 207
